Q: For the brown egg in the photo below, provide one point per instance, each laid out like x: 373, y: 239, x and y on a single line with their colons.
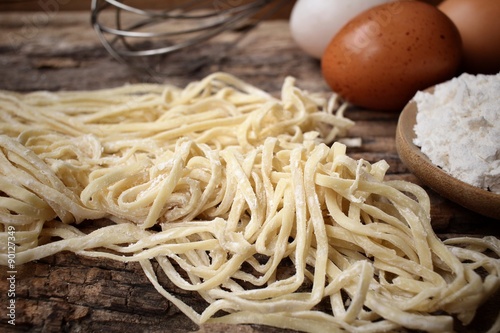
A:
x: 383, y: 56
x: 478, y: 22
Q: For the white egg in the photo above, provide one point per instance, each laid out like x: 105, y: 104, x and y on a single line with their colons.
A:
x: 313, y: 23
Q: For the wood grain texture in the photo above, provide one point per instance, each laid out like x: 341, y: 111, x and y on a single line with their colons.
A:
x: 72, y: 5
x: 68, y: 293
x: 82, y: 5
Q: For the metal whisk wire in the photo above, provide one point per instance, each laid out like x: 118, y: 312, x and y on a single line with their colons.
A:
x: 142, y: 33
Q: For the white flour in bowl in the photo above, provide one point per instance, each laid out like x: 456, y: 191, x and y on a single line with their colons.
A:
x: 458, y: 128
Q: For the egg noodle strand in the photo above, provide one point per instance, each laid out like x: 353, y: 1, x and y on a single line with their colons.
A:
x: 238, y: 196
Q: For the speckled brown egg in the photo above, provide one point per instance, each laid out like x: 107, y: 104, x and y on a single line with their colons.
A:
x: 383, y: 56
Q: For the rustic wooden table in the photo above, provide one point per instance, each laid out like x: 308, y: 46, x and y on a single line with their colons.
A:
x: 60, y: 51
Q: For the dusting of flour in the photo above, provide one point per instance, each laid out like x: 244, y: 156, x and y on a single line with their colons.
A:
x: 458, y: 128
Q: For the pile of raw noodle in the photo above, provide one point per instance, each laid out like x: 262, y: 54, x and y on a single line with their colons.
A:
x: 238, y: 197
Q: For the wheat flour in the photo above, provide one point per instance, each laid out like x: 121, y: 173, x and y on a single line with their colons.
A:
x: 458, y: 128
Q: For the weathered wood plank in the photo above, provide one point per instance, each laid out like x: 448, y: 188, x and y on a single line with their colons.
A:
x: 53, y: 6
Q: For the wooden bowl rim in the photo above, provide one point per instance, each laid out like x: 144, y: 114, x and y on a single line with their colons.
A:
x: 471, y: 197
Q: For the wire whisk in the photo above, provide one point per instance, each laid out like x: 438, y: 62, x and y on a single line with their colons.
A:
x: 137, y: 33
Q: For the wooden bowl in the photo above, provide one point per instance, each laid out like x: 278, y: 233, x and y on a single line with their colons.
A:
x: 471, y: 197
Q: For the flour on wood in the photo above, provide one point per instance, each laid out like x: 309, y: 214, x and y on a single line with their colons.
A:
x: 458, y: 128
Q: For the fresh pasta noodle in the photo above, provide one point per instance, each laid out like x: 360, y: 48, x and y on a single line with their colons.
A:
x: 239, y: 196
